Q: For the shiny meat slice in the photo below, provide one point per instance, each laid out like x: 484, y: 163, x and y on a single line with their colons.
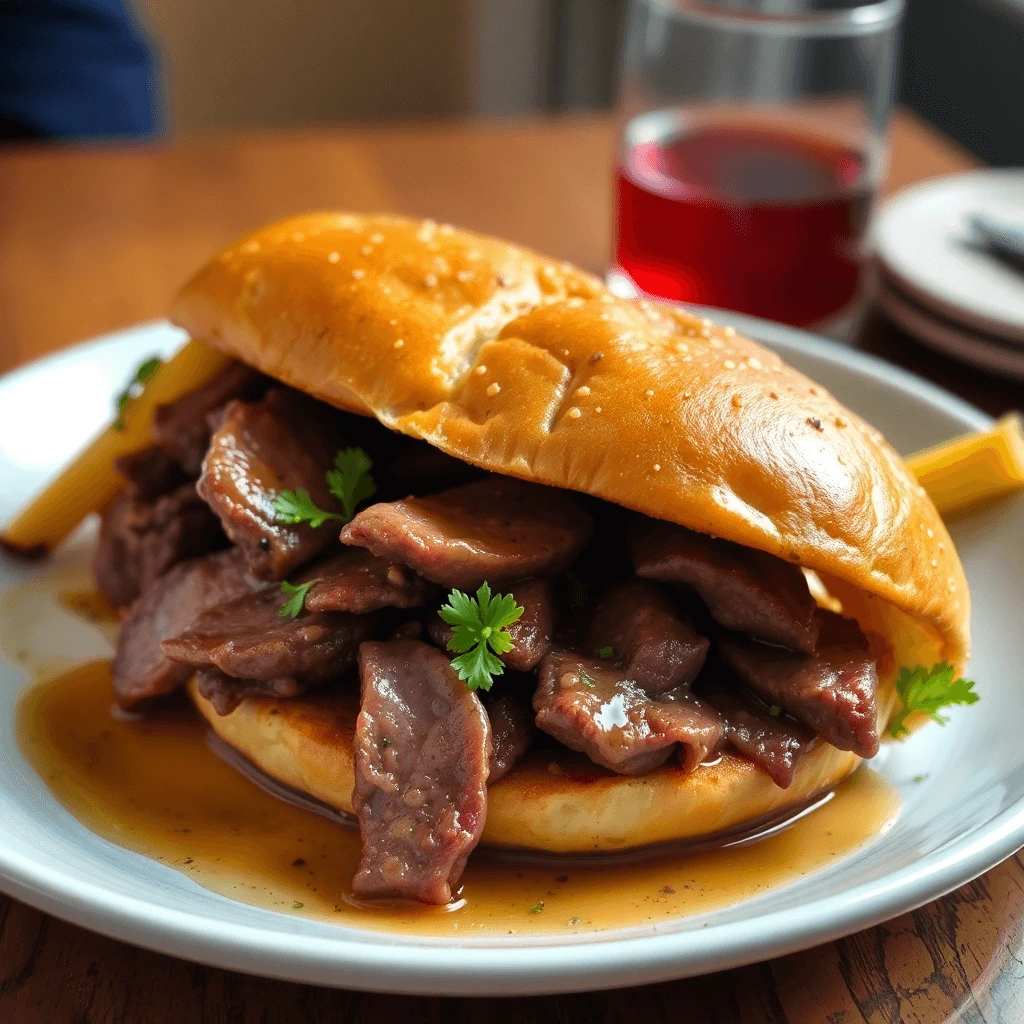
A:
x: 140, y: 540
x: 775, y: 743
x: 530, y: 633
x: 285, y: 442
x: 225, y: 692
x: 592, y: 707
x: 512, y: 732
x: 182, y: 428
x: 248, y: 638
x: 168, y: 606
x: 422, y: 747
x: 746, y: 590
x: 149, y: 473
x: 497, y: 529
x: 653, y: 639
x: 356, y: 581
x: 832, y: 691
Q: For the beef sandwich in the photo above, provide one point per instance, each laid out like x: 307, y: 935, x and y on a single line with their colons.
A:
x: 460, y: 543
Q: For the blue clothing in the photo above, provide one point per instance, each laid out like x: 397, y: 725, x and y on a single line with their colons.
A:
x: 75, y: 69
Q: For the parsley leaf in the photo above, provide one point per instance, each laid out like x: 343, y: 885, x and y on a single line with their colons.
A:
x: 298, y: 507
x: 136, y: 386
x: 928, y: 691
x: 479, y: 634
x: 350, y: 481
x: 295, y: 604
x: 605, y: 653
x: 775, y: 711
x: 537, y: 908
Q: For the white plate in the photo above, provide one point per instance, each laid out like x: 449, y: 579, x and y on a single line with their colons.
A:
x: 990, y: 353
x: 922, y: 239
x: 964, y: 818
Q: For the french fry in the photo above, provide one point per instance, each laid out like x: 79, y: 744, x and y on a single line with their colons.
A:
x: 90, y: 481
x: 974, y: 467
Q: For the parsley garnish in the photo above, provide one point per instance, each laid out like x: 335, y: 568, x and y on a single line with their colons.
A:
x: 296, y: 905
x: 349, y: 481
x: 135, y: 388
x: 587, y: 680
x: 297, y: 602
x: 775, y: 711
x: 605, y: 653
x: 928, y: 691
x: 538, y: 908
x: 478, y: 630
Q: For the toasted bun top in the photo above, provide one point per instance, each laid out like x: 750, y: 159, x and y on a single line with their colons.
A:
x: 529, y: 367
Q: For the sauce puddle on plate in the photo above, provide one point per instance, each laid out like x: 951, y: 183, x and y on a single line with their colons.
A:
x: 156, y: 785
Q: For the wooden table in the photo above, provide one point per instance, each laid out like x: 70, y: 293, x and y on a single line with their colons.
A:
x: 94, y: 239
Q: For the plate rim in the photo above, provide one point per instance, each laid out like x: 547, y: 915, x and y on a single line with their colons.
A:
x: 599, y: 963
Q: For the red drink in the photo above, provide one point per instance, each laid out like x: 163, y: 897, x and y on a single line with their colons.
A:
x: 759, y: 220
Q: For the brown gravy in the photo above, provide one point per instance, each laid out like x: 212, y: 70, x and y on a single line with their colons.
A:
x: 156, y: 786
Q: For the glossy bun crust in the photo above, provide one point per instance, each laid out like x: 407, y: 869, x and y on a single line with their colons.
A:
x: 531, y: 368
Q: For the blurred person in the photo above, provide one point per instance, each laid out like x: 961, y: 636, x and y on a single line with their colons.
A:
x: 75, y: 69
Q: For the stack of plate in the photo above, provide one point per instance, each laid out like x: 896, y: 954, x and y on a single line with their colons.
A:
x: 939, y: 282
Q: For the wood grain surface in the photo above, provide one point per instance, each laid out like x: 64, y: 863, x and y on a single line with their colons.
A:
x: 95, y: 239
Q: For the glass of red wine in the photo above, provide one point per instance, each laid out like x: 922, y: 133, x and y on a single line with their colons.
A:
x: 752, y: 144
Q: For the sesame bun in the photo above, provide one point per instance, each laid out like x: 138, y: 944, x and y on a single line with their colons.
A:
x: 531, y: 368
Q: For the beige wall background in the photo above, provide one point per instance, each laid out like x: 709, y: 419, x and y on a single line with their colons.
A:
x: 248, y: 63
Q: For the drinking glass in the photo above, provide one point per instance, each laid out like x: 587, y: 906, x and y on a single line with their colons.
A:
x: 752, y: 142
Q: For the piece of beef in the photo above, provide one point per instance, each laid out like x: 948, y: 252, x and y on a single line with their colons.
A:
x: 497, y: 529
x: 530, y: 633
x: 653, y: 639
x: 149, y: 473
x: 422, y: 746
x: 590, y: 706
x: 746, y: 590
x: 169, y: 605
x: 182, y: 429
x: 225, y: 692
x: 512, y: 732
x: 140, y: 540
x: 248, y: 638
x: 775, y: 743
x: 353, y: 580
x: 286, y: 442
x: 832, y: 691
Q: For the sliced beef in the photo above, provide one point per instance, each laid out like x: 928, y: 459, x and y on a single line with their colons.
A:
x: 746, y: 590
x: 832, y: 691
x: 182, y: 429
x: 149, y: 473
x: 286, y: 442
x: 169, y: 605
x: 653, y: 639
x: 140, y: 540
x: 496, y: 529
x: 775, y: 743
x: 593, y: 707
x: 422, y: 747
x: 225, y: 692
x: 248, y: 638
x: 512, y: 732
x: 353, y: 580
x: 530, y: 633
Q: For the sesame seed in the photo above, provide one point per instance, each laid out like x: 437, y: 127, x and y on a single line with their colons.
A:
x: 705, y: 332
x: 480, y: 370
x: 729, y: 364
x: 754, y: 363
x: 493, y: 389
x: 737, y: 401
x: 935, y: 563
x: 681, y: 347
x: 574, y: 413
x: 446, y: 229
x: 728, y: 331
x: 366, y: 250
x: 650, y: 393
x: 430, y: 280
x: 930, y: 532
x: 473, y: 255
x: 687, y: 395
x: 657, y: 467
x: 605, y: 316
x: 394, y: 323
x: 399, y: 343
x: 376, y: 238
x: 705, y: 322
x: 333, y: 257
x: 358, y: 273
x: 465, y: 275
x: 597, y: 409
x: 583, y: 391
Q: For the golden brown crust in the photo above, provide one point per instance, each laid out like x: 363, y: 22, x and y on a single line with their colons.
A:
x: 528, y: 367
x: 558, y: 802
